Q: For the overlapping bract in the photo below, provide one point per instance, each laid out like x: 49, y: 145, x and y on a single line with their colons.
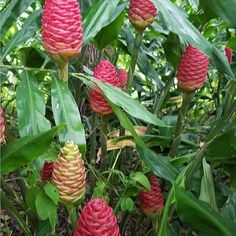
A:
x: 2, y: 126
x: 62, y: 29
x: 152, y: 202
x: 123, y: 77
x: 46, y: 172
x: 104, y: 72
x: 69, y: 173
x: 229, y: 54
x: 97, y: 218
x: 141, y: 13
x: 192, y: 69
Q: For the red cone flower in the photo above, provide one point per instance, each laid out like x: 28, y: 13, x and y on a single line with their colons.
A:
x: 141, y: 13
x: 104, y: 72
x: 97, y: 219
x: 152, y: 202
x: 192, y: 69
x: 123, y: 77
x: 46, y: 172
x: 62, y: 29
x: 229, y: 54
x: 2, y: 126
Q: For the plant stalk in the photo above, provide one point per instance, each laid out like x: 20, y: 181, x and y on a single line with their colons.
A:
x: 72, y: 215
x: 93, y: 149
x: 103, y: 137
x: 63, y: 71
x: 137, y: 45
x: 187, y: 97
x: 158, y: 103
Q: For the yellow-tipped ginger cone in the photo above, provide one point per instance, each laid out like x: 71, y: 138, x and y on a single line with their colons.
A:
x: 69, y: 174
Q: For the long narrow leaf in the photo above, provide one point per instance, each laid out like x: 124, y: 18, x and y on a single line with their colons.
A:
x: 66, y: 111
x: 23, y: 151
x: 11, y: 13
x: 157, y: 164
x: 98, y: 17
x: 125, y: 101
x: 30, y: 100
x: 200, y: 216
x: 28, y: 30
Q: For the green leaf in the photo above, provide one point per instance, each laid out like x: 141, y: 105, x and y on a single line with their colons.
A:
x: 127, y: 204
x: 200, y: 216
x: 141, y: 178
x: 43, y: 228
x: 66, y: 111
x: 109, y: 33
x: 229, y: 209
x: 52, y: 192
x: 232, y: 43
x: 10, y: 14
x: 159, y: 165
x: 207, y: 193
x: 23, y: 151
x: 98, y: 16
x: 225, y: 9
x: 30, y: 100
x: 5, y: 203
x: 30, y: 197
x: 46, y: 209
x: 215, y: 152
x: 176, y: 21
x: 121, y: 99
x: 29, y: 28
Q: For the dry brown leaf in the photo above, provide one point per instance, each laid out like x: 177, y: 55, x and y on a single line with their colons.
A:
x: 113, y: 146
x: 140, y: 130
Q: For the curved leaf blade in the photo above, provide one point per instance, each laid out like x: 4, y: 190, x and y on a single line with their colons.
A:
x: 158, y: 165
x: 125, y: 101
x: 29, y: 28
x: 30, y: 100
x: 205, y: 220
x: 66, y: 111
x: 23, y: 151
x: 10, y: 14
x: 98, y: 17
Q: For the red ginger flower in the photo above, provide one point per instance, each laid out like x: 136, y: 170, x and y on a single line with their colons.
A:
x: 141, y: 13
x: 46, y: 172
x: 229, y: 54
x: 192, y: 69
x: 97, y: 219
x: 2, y: 126
x: 62, y: 29
x: 104, y: 72
x: 152, y: 202
x: 123, y: 77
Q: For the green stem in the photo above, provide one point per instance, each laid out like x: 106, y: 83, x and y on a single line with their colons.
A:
x: 163, y: 225
x: 154, y: 225
x: 158, y: 103
x: 72, y: 216
x: 137, y: 44
x: 114, y: 164
x: 187, y: 97
x: 103, y: 136
x: 93, y: 149
x: 63, y: 71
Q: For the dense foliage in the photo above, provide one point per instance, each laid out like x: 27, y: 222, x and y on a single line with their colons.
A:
x: 123, y: 112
